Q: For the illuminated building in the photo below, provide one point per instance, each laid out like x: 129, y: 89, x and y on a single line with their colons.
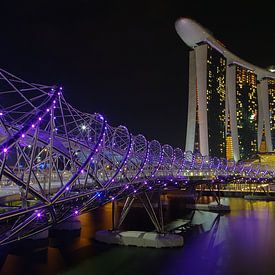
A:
x: 229, y: 145
x: 271, y: 100
x: 222, y: 88
x: 197, y: 137
x: 207, y: 110
x: 266, y: 88
x: 215, y: 98
x: 263, y: 147
x: 246, y: 105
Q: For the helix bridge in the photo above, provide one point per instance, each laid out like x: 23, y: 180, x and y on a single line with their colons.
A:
x: 57, y: 162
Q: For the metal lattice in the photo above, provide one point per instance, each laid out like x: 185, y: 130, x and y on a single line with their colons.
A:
x: 57, y: 162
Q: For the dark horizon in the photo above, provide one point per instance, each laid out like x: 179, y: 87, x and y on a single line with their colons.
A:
x: 125, y: 60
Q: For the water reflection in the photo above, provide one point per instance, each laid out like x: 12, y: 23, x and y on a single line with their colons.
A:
x: 241, y: 242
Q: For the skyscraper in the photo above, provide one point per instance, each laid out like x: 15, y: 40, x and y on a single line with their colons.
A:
x: 271, y: 100
x: 266, y: 88
x: 215, y: 98
x: 224, y: 89
x: 207, y: 73
x: 246, y: 110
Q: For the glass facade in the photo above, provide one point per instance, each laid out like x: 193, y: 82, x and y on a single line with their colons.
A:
x: 246, y: 111
x: 271, y: 100
x: 197, y: 135
x: 243, y: 88
x: 215, y: 95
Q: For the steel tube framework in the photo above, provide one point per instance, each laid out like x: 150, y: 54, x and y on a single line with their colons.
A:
x: 57, y: 162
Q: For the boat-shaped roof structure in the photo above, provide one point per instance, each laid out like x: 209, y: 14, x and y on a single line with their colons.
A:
x: 193, y: 34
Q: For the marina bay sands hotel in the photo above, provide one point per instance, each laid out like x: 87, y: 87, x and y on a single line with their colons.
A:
x: 231, y: 105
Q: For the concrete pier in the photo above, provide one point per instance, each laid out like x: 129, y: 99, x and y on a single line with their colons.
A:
x: 139, y: 238
x: 214, y: 207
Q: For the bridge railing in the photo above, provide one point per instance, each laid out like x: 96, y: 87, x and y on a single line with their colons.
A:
x: 58, y: 162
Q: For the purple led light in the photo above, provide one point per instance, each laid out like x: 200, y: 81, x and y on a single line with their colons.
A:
x: 33, y: 125
x: 48, y: 110
x: 5, y: 150
x: 1, y: 113
x: 67, y: 188
x: 38, y: 215
x: 23, y: 135
x: 76, y: 212
x: 39, y: 118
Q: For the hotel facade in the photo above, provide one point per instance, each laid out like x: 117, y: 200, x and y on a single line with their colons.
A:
x: 231, y: 104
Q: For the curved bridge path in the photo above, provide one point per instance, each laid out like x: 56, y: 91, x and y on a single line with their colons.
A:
x: 57, y: 162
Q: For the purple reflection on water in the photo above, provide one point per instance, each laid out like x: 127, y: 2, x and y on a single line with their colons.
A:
x: 240, y: 242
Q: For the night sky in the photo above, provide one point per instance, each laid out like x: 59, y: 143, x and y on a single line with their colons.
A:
x: 124, y: 59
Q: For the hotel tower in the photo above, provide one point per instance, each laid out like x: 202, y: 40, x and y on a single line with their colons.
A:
x: 231, y: 105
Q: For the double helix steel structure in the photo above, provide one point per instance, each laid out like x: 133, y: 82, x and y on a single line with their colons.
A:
x: 57, y: 162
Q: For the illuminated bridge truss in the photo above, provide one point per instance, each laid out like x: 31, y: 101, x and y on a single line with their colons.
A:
x: 57, y: 162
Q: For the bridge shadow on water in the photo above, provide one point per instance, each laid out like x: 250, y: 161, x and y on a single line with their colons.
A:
x: 241, y: 242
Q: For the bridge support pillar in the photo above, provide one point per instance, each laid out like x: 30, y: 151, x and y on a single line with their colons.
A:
x: 217, y: 206
x: 218, y: 194
x: 72, y: 224
x: 125, y: 210
x: 156, y: 239
x: 157, y: 221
